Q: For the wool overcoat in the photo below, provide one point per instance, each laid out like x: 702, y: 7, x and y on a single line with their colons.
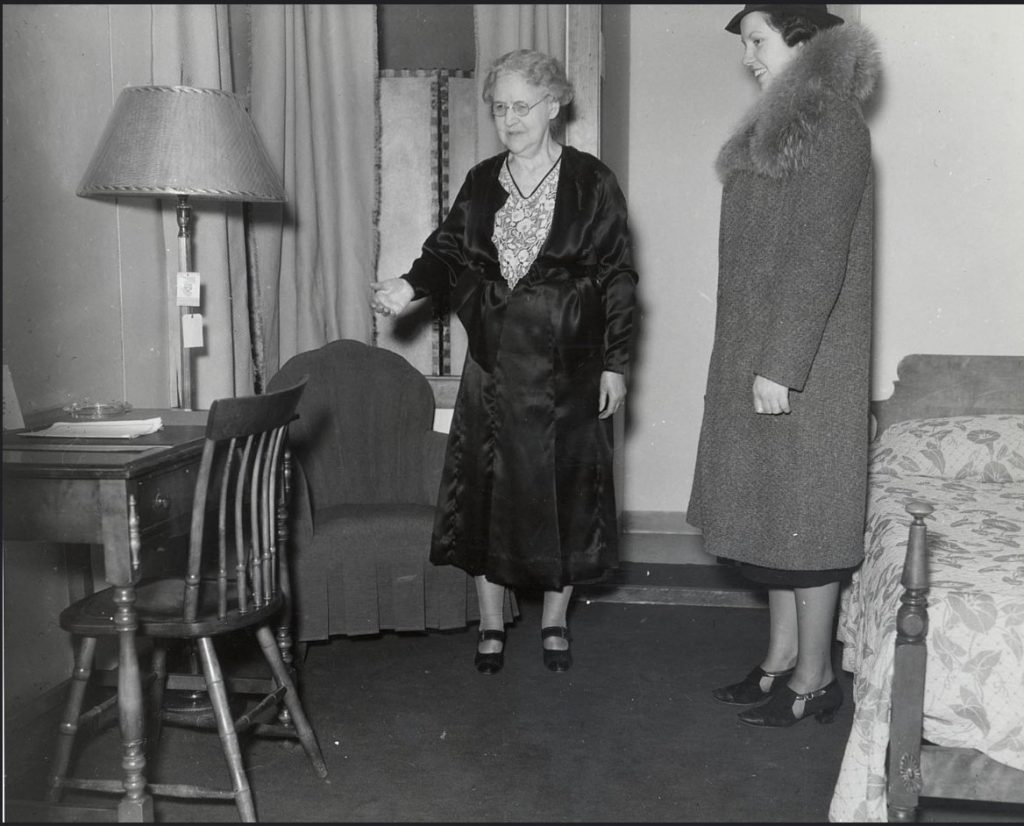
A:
x: 527, y: 495
x: 794, y: 305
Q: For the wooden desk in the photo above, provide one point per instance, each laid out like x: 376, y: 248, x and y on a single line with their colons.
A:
x: 122, y: 494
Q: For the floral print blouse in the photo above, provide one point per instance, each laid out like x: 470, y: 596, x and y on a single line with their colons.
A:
x: 522, y: 224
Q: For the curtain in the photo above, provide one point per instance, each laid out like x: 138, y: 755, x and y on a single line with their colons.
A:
x: 313, y: 93
x: 191, y: 47
x: 502, y: 27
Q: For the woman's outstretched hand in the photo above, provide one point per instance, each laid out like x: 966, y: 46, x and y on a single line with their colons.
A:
x: 769, y: 397
x: 391, y: 296
x: 613, y: 394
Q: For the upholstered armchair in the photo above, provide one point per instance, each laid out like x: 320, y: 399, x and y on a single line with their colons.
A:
x: 368, y: 465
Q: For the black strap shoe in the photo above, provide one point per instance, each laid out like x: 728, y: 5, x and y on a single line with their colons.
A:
x: 556, y: 659
x: 786, y: 707
x: 756, y: 686
x: 490, y: 663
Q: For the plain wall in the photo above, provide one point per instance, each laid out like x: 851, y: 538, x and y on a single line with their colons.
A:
x: 78, y: 319
x: 947, y: 126
x: 615, y: 69
x: 948, y: 132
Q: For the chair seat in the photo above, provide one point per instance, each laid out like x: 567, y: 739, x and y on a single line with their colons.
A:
x: 158, y: 605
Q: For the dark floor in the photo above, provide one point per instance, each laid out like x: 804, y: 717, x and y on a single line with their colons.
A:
x: 412, y: 733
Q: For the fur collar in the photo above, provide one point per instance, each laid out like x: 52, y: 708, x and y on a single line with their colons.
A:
x: 777, y: 133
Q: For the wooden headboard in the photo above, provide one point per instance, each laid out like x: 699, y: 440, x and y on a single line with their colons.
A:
x: 933, y: 386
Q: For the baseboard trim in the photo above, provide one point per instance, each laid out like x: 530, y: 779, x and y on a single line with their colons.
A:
x: 642, y: 583
x: 666, y: 548
x: 23, y: 713
x: 677, y: 595
x: 661, y: 522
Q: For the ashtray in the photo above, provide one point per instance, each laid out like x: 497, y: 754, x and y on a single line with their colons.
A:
x: 97, y: 410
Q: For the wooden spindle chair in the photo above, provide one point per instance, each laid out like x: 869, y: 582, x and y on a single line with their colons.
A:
x: 235, y: 578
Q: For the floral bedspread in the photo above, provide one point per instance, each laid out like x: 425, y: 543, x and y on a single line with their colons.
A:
x: 971, y: 469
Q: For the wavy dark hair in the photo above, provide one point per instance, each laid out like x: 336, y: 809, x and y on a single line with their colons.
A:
x: 794, y: 27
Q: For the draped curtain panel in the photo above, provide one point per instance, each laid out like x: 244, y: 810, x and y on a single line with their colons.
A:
x: 191, y: 47
x: 502, y: 27
x: 313, y: 81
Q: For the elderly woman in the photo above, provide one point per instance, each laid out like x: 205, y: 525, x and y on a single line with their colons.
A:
x: 535, y: 257
x: 781, y: 477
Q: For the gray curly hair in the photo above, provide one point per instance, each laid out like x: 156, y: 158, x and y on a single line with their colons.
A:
x: 537, y: 68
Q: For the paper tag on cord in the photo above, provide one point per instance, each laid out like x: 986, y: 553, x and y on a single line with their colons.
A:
x: 188, y: 289
x: 192, y: 330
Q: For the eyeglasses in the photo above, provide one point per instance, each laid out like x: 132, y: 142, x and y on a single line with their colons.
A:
x: 521, y: 108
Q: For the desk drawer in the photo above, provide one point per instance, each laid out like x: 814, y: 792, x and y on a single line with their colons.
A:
x: 164, y: 498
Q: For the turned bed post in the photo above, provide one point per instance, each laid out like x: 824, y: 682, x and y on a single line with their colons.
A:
x: 907, y: 701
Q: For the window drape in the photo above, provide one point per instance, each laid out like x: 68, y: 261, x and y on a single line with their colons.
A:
x: 313, y: 87
x: 291, y: 277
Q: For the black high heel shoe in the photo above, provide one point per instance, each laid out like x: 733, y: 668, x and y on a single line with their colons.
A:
x: 554, y: 658
x: 751, y: 689
x: 492, y: 662
x: 779, y: 711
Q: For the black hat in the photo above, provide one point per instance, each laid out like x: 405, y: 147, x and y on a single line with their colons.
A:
x: 815, y: 12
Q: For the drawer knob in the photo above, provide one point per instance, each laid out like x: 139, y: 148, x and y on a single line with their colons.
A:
x: 161, y: 502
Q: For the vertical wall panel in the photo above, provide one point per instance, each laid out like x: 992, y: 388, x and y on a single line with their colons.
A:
x: 425, y: 152
x: 408, y: 201
x: 463, y: 100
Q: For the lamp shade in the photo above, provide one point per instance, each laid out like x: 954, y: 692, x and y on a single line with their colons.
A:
x: 178, y: 140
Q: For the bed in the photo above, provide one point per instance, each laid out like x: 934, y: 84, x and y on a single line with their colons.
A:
x: 944, y: 549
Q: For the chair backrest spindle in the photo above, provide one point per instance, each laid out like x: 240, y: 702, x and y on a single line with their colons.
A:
x: 241, y: 545
x: 283, y: 498
x: 255, y: 529
x: 222, y: 531
x: 270, y: 516
x: 194, y: 567
x: 245, y: 443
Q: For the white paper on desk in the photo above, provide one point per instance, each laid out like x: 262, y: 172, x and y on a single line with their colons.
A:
x: 122, y: 429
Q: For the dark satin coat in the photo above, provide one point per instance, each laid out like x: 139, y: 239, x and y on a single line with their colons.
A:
x: 527, y: 495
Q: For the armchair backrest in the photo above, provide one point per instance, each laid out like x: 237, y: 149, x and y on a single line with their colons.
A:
x: 362, y: 423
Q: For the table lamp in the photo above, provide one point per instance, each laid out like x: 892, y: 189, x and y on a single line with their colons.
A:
x: 190, y: 143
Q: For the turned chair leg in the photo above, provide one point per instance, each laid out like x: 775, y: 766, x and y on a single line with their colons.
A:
x: 291, y: 698
x: 72, y: 713
x: 226, y: 728
x: 284, y: 646
x: 156, y: 700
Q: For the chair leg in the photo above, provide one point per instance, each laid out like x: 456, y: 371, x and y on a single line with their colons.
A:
x: 156, y: 699
x: 226, y: 728
x: 72, y: 712
x: 291, y: 698
x: 284, y: 645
